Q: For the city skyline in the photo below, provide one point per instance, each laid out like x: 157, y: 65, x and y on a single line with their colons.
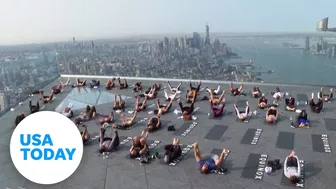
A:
x: 60, y: 20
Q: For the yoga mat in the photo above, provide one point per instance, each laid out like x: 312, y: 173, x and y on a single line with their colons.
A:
x: 251, y: 136
x: 216, y: 132
x: 321, y: 143
x: 330, y: 124
x: 184, y: 127
x: 285, y: 140
x: 185, y: 150
x: 255, y: 166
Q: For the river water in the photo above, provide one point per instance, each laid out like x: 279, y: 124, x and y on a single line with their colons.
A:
x: 290, y: 65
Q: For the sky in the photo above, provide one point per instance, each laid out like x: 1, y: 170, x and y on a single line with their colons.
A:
x: 38, y: 21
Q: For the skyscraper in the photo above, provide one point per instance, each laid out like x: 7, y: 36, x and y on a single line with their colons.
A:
x: 321, y: 40
x: 207, y: 35
x: 307, y: 43
x: 3, y: 102
x: 73, y: 41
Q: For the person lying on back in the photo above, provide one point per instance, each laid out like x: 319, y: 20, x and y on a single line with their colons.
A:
x: 210, y: 163
x: 292, y: 169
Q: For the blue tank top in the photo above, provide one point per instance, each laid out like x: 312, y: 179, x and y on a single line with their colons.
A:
x: 209, y: 161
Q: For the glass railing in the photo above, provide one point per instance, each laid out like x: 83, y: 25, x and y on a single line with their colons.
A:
x: 302, y: 59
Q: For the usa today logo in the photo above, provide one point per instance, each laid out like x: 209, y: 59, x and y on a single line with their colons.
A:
x: 46, y: 147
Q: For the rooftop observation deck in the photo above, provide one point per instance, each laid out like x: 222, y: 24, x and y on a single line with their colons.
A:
x: 276, y: 141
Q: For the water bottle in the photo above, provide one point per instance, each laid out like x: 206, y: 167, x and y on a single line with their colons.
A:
x: 268, y: 170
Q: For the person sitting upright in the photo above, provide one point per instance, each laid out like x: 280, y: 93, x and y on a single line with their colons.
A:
x: 242, y: 115
x: 19, y: 118
x: 317, y: 108
x: 126, y: 122
x: 81, y: 83
x: 118, y: 104
x: 90, y: 112
x: 216, y: 100
x: 110, y: 84
x: 122, y: 85
x: 172, y: 151
x: 174, y: 90
x: 140, y: 106
x: 210, y: 163
x: 326, y: 97
x: 108, y: 144
x: 94, y: 83
x: 214, y: 91
x: 47, y: 99
x: 256, y: 92
x: 34, y: 109
x: 85, y: 134
x: 217, y: 112
x: 272, y: 115
x: 187, y: 110
x: 278, y: 95
x: 290, y: 103
x: 262, y: 102
x: 236, y: 91
x: 137, y: 87
x: 163, y: 108
x: 139, y: 146
x: 292, y: 168
x: 154, y: 122
x: 302, y: 120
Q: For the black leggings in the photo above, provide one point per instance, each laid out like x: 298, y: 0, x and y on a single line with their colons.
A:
x: 172, y: 152
x: 292, y: 162
x: 315, y: 107
x: 33, y: 108
x: 188, y: 109
x: 195, y: 88
x: 115, y: 141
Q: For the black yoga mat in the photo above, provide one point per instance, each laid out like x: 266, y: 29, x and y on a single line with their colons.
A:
x: 251, y: 136
x: 216, y: 132
x: 285, y: 140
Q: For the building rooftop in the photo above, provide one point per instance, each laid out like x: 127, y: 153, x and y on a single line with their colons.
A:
x: 276, y: 141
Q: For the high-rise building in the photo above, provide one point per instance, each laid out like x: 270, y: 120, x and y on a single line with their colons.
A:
x: 92, y: 45
x: 325, y: 45
x: 176, y: 43
x: 74, y: 40
x: 3, y: 102
x: 196, y: 40
x: 166, y: 42
x: 216, y: 45
x: 307, y: 43
x: 320, y: 40
x: 207, y: 35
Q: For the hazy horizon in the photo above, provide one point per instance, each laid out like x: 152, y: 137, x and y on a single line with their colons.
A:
x: 38, y: 21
